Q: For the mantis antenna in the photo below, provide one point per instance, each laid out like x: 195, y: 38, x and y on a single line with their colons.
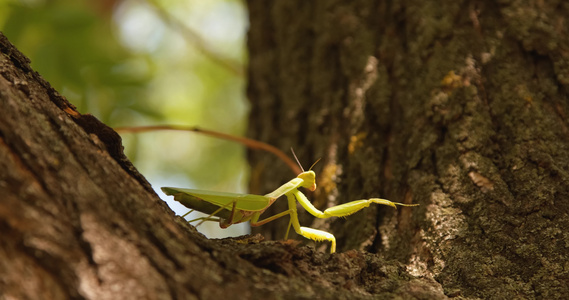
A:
x: 314, y: 163
x: 298, y: 162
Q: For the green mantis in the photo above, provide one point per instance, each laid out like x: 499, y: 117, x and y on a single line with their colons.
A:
x: 229, y: 208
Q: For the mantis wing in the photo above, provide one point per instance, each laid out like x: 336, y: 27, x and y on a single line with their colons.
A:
x: 209, y: 201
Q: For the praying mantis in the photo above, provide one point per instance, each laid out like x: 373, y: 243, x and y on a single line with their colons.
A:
x: 232, y: 208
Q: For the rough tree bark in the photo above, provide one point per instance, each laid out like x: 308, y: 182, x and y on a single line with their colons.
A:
x: 78, y: 221
x: 460, y: 106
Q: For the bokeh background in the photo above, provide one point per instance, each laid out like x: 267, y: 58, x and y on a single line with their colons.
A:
x: 149, y: 62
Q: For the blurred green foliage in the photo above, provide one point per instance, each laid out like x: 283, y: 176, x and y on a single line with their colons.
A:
x: 135, y: 62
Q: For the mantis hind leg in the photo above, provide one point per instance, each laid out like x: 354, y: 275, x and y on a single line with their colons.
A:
x: 204, y: 219
x: 255, y: 222
x: 211, y: 217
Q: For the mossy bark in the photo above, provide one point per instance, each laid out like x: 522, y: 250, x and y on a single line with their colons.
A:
x: 458, y: 106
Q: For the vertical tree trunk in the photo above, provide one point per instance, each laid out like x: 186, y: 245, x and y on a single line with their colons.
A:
x: 458, y: 106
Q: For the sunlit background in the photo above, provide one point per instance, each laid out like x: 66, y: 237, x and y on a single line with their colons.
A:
x: 149, y: 62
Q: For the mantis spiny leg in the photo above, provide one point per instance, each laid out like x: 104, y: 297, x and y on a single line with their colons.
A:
x: 345, y: 209
x: 209, y: 217
x: 309, y: 233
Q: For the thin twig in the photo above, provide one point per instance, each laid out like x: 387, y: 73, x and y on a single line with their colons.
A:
x: 250, y: 143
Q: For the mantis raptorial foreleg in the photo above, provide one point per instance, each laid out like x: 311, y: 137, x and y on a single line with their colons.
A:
x: 345, y: 209
x: 306, y: 179
x: 309, y: 233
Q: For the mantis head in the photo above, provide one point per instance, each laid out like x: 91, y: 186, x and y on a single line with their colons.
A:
x: 308, y: 177
x: 309, y: 180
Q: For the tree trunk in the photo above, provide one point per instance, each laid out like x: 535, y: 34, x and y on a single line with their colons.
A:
x: 458, y: 106
x: 78, y: 221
